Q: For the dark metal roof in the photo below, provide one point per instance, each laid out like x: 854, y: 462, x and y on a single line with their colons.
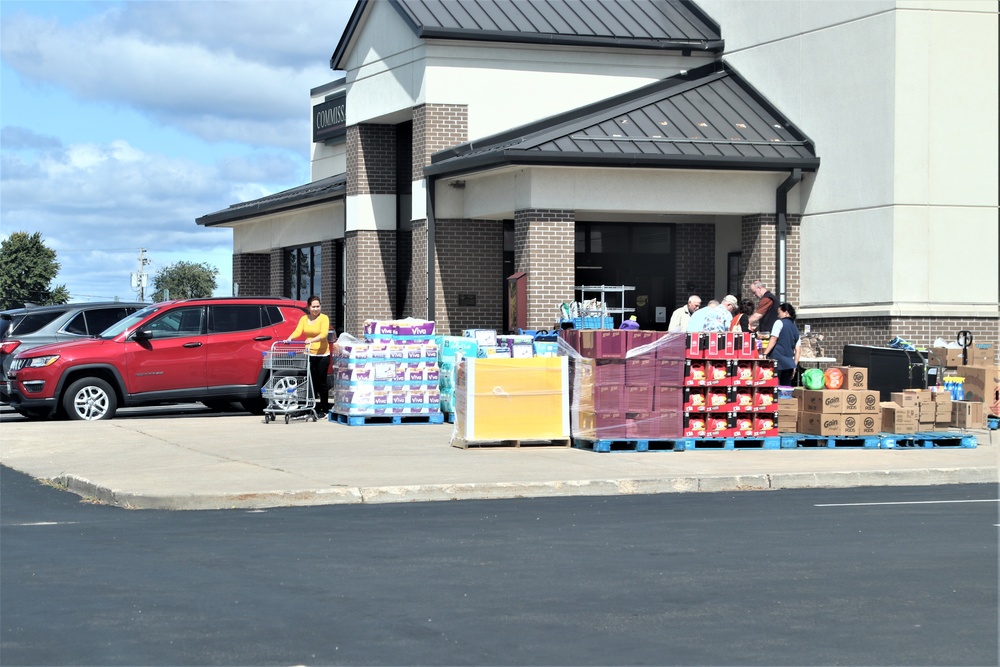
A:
x: 708, y: 118
x: 678, y: 25
x: 323, y: 190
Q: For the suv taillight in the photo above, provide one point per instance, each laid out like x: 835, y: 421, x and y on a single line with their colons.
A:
x: 8, y: 346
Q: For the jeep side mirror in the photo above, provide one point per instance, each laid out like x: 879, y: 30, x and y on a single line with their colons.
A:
x: 142, y: 334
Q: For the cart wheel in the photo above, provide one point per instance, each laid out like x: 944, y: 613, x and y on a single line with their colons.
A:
x: 287, y: 419
x: 314, y: 416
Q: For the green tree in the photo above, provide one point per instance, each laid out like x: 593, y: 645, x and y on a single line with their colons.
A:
x: 185, y: 280
x: 27, y: 268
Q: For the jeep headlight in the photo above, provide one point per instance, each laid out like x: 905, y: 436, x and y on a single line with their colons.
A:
x: 41, y: 362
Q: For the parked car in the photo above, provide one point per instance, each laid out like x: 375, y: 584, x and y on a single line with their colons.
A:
x: 207, y: 350
x: 24, y: 328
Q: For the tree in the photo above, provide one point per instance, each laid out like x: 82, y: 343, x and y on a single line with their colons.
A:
x: 27, y: 268
x: 185, y: 280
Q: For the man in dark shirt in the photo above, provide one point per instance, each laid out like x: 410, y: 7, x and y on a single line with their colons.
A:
x: 767, y: 308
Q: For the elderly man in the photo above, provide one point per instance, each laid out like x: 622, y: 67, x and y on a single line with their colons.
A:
x: 680, y: 317
x: 767, y: 308
x: 716, y: 317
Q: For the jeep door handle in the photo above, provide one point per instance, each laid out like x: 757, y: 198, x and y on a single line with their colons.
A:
x: 260, y: 338
x: 192, y: 344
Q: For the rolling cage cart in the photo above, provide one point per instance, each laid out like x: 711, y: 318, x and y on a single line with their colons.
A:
x: 288, y: 389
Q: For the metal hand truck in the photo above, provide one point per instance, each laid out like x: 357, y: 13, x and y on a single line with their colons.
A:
x: 288, y: 389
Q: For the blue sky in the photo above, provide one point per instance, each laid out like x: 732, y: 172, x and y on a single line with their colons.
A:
x: 122, y: 122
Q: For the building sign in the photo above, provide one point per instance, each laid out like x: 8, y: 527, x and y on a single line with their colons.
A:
x: 330, y: 118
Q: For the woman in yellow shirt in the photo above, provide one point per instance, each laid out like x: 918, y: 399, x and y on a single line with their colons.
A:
x: 315, y: 327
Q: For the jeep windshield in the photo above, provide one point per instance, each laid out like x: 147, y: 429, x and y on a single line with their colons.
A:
x: 129, y: 322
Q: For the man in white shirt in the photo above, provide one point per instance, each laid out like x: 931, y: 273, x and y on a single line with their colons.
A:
x: 680, y: 317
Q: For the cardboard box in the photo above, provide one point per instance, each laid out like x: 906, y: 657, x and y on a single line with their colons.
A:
x: 855, y: 377
x: 862, y: 425
x: 926, y: 412
x: 861, y: 401
x: 967, y: 414
x: 898, y: 419
x: 983, y: 385
x: 821, y: 423
x: 945, y: 356
x: 904, y: 399
x: 823, y: 400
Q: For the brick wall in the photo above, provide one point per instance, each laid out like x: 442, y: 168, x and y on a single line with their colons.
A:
x: 695, y: 263
x: 468, y: 261
x: 328, y: 278
x: 404, y: 272
x: 760, y: 254
x: 371, y: 277
x: 544, y: 246
x: 251, y: 271
x: 878, y: 331
x: 278, y: 286
x: 371, y: 159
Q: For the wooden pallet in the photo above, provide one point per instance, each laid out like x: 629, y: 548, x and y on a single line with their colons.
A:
x: 467, y: 444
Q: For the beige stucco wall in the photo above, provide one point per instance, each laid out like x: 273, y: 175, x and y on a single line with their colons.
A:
x: 300, y: 227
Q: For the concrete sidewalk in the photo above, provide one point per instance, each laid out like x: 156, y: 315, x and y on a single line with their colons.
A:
x: 202, y: 460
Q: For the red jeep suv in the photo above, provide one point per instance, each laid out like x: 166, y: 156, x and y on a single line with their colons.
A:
x: 207, y: 350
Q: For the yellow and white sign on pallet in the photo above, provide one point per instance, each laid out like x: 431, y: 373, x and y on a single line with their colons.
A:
x: 512, y: 399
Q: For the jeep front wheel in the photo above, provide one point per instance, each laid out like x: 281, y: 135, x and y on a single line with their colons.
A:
x: 90, y: 399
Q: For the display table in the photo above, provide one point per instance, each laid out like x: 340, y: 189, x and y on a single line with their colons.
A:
x: 818, y: 360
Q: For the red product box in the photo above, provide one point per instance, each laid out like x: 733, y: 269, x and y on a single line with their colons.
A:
x: 743, y: 425
x: 695, y: 373
x: 764, y: 373
x: 765, y: 399
x: 695, y: 399
x: 610, y: 425
x: 638, y: 399
x: 609, y: 398
x: 743, y: 399
x: 669, y: 372
x: 745, y: 345
x: 694, y: 425
x: 668, y: 424
x: 695, y: 348
x: 720, y: 345
x: 668, y: 398
x: 671, y: 345
x: 609, y: 371
x: 765, y: 425
x: 719, y: 372
x: 602, y: 344
x: 743, y: 373
x: 572, y: 338
x: 720, y: 399
x: 640, y: 371
x: 638, y: 339
x: 718, y: 424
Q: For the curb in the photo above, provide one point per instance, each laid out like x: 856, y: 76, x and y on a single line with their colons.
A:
x: 510, y: 490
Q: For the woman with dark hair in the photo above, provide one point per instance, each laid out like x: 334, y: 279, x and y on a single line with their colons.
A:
x: 784, y: 344
x: 741, y: 318
x: 315, y: 326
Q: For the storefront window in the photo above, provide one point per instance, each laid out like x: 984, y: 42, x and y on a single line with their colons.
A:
x: 303, y: 268
x: 608, y: 238
x: 651, y: 238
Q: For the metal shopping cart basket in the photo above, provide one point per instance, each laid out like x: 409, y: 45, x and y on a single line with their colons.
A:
x: 288, y: 389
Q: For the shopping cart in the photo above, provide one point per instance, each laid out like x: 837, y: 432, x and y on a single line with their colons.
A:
x: 288, y: 389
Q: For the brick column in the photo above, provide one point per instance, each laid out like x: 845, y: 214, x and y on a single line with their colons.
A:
x: 328, y: 279
x: 251, y: 271
x: 278, y: 283
x: 371, y: 277
x: 544, y: 245
x: 416, y: 294
x: 760, y: 254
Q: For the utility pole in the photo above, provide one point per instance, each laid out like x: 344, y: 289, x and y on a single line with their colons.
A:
x: 141, y: 279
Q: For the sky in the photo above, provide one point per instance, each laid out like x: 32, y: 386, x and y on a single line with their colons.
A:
x: 122, y: 122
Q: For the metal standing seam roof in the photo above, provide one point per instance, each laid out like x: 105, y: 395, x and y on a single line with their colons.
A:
x: 325, y: 189
x: 644, y: 24
x: 710, y: 117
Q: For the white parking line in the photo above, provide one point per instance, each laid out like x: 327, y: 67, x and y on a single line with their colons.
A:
x: 45, y: 523
x: 909, y: 502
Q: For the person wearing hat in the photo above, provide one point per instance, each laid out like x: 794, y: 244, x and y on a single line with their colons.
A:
x: 716, y: 317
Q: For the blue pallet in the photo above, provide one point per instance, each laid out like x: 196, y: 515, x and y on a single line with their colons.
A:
x: 771, y: 442
x: 928, y: 440
x: 804, y: 440
x: 386, y: 420
x: 626, y: 445
x: 449, y: 417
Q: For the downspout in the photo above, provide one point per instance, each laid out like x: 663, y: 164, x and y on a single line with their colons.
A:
x: 781, y: 210
x: 431, y: 183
